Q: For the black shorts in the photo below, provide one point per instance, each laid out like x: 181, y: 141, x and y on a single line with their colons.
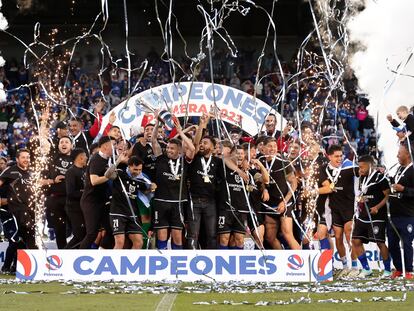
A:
x: 231, y: 221
x: 168, y: 215
x: 367, y: 232
x: 258, y: 221
x: 125, y: 225
x: 340, y: 216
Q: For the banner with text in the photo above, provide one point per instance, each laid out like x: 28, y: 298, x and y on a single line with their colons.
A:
x: 172, y: 265
x: 193, y: 99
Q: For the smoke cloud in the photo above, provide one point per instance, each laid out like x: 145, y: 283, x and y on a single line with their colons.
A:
x: 383, y: 33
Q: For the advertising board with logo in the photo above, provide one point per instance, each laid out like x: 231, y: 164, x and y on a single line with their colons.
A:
x: 171, y: 265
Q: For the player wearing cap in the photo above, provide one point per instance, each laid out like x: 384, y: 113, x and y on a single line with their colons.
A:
x: 96, y: 194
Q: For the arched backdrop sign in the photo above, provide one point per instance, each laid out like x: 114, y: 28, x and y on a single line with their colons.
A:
x: 236, y: 107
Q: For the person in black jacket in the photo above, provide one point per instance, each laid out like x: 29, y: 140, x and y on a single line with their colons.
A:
x: 402, y: 214
x: 96, y: 194
x: 74, y: 189
x: 17, y: 179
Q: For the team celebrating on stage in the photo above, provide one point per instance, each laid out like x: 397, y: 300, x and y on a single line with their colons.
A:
x: 186, y: 188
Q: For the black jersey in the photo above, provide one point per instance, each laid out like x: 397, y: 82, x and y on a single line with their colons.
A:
x: 344, y: 195
x: 235, y: 192
x: 169, y: 179
x: 74, y: 182
x: 97, y: 166
x: 59, y: 166
x: 370, y: 193
x: 125, y: 185
x: 254, y: 190
x: 146, y: 154
x: 202, y: 185
x: 19, y: 189
x: 83, y: 140
x: 401, y: 203
x: 278, y: 187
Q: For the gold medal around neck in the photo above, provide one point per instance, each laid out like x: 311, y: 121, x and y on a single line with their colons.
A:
x: 206, y: 179
x: 332, y: 186
x: 249, y: 188
x: 177, y: 177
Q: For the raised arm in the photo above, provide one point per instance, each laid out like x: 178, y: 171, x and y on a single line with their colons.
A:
x: 199, y: 133
x: 189, y: 149
x: 156, y: 148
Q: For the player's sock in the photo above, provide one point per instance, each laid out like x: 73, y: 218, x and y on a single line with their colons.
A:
x: 364, y: 261
x: 162, y: 244
x: 354, y: 264
x: 387, y: 263
x: 223, y: 247
x: 175, y: 246
x: 325, y: 243
x: 344, y: 262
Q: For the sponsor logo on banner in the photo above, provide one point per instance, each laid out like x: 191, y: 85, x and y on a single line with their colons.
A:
x: 186, y: 265
x: 295, y: 262
x: 26, y: 266
x: 53, y: 262
x: 322, y: 269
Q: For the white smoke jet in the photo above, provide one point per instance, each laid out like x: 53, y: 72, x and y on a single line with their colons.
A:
x: 383, y: 32
x: 3, y: 21
x: 3, y: 96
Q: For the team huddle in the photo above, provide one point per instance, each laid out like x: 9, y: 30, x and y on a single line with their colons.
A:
x: 199, y: 192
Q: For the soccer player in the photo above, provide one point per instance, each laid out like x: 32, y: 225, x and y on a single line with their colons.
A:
x: 124, y: 212
x: 371, y: 197
x: 402, y: 214
x: 19, y: 192
x: 74, y: 181
x: 56, y: 199
x: 339, y: 182
x: 281, y: 188
x: 204, y: 176
x: 232, y: 215
x: 257, y: 191
x: 143, y: 150
x: 10, y: 229
x: 96, y: 194
x: 171, y: 195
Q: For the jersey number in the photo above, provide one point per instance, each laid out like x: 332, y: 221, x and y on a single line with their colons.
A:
x: 115, y: 224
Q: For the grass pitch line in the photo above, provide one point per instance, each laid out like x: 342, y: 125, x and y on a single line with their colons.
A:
x: 166, y: 302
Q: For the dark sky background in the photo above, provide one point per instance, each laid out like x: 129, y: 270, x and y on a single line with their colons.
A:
x: 292, y: 16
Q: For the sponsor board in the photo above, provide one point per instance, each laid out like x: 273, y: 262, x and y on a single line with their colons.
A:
x: 172, y: 265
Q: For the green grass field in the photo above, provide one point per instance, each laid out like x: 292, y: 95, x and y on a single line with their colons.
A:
x: 182, y: 296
